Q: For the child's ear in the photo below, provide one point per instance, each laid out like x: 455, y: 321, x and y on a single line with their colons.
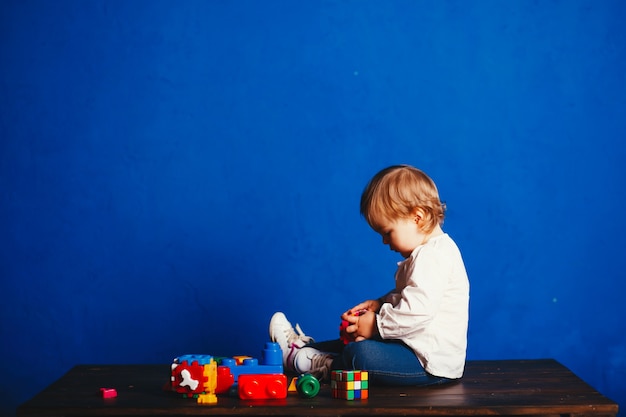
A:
x: 418, y: 215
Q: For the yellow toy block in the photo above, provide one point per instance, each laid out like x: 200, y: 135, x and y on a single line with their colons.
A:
x: 293, y: 385
x: 210, y: 372
x: 207, y: 399
x: 240, y: 358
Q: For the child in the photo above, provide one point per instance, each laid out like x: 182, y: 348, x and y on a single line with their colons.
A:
x: 416, y: 334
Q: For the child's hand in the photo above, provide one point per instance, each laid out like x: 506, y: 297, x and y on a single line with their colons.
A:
x: 369, y: 305
x: 350, y: 330
x: 366, y: 326
x: 347, y: 328
x: 358, y: 327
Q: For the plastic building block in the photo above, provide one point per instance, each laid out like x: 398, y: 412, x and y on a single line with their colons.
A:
x: 272, y: 355
x: 210, y: 373
x: 272, y: 363
x: 195, y: 376
x: 262, y: 386
x: 225, y: 380
x: 308, y: 386
x: 207, y: 399
x: 251, y: 366
x: 240, y: 358
x: 187, y: 377
x: 342, y: 335
x: 108, y: 392
x: 293, y: 385
x: 349, y: 385
x: 201, y: 359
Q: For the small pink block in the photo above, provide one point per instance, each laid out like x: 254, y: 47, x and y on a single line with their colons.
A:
x: 108, y: 392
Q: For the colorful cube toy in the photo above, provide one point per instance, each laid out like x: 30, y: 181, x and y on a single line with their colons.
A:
x: 349, y: 385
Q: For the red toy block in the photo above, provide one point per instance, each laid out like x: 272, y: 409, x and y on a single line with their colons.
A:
x: 225, y: 379
x: 342, y: 328
x: 108, y: 392
x: 188, y: 378
x: 262, y: 386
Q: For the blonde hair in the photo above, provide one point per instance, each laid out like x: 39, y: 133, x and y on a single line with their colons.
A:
x: 398, y: 192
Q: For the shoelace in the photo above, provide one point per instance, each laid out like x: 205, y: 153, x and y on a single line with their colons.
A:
x: 319, y: 369
x: 300, y: 336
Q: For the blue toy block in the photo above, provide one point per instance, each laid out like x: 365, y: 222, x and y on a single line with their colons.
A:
x: 201, y: 359
x: 272, y: 354
x: 250, y: 366
x: 272, y: 362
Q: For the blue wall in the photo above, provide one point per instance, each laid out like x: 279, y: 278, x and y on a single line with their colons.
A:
x: 171, y: 171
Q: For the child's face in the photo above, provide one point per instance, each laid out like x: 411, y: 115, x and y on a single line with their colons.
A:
x: 402, y: 235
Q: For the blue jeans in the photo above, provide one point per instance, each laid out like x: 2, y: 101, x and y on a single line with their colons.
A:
x: 388, y: 362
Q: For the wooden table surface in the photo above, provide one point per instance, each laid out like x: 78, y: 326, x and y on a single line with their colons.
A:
x: 503, y: 387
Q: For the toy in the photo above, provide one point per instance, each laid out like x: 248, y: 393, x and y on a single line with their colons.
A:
x: 108, y: 392
x: 308, y: 386
x: 349, y: 385
x: 240, y: 358
x: 210, y: 373
x: 271, y: 362
x: 262, y: 386
x: 201, y: 359
x: 342, y: 334
x: 292, y: 385
x: 187, y: 376
x: 225, y: 380
x: 190, y: 376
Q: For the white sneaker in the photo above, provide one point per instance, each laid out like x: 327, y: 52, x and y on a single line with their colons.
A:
x: 288, y: 338
x: 308, y: 360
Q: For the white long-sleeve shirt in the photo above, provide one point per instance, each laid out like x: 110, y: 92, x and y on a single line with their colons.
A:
x: 428, y: 309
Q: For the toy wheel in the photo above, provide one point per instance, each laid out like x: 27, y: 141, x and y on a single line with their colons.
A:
x: 308, y: 386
